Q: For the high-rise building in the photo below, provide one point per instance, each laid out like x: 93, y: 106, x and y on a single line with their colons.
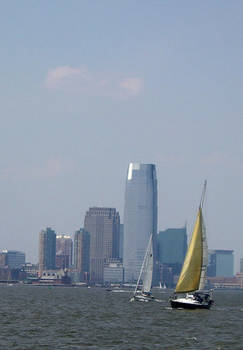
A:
x: 121, y: 241
x: 172, y: 247
x: 64, y: 251
x: 241, y: 265
x: 3, y: 259
x: 47, y: 250
x: 103, y: 224
x: 82, y: 254
x: 12, y: 258
x: 221, y: 263
x: 140, y: 217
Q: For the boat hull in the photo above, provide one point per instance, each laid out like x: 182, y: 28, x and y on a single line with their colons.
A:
x: 176, y: 304
x: 142, y: 298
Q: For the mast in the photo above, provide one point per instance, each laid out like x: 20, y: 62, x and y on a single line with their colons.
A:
x: 204, y: 245
x: 203, y: 194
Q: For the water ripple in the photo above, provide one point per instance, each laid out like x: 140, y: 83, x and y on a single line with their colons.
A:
x: 40, y: 318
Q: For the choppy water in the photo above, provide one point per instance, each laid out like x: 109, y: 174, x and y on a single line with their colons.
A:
x: 80, y: 318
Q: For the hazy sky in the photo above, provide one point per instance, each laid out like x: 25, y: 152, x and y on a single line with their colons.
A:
x: 88, y: 86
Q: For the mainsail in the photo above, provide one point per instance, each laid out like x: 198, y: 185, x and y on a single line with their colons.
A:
x: 148, y: 268
x: 193, y: 272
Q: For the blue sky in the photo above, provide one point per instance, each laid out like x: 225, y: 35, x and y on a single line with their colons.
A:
x: 88, y: 86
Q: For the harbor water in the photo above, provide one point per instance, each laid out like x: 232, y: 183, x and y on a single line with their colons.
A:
x: 75, y: 318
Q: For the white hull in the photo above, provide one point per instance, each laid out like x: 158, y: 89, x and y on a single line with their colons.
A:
x: 142, y: 298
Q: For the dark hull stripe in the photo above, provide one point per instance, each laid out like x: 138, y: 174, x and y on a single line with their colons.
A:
x: 178, y: 305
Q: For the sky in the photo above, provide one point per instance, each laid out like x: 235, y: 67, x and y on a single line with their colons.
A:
x: 88, y: 86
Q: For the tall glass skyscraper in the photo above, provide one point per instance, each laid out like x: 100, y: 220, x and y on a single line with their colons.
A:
x: 82, y: 254
x: 140, y: 216
x: 47, y: 250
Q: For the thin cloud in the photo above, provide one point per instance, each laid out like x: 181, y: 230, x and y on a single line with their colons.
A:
x: 51, y: 168
x: 132, y: 85
x: 58, y: 77
x: 229, y: 161
x: 81, y: 80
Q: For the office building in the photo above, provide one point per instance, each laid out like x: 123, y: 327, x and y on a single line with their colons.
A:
x: 172, y: 247
x: 82, y: 255
x: 3, y: 259
x: 241, y: 265
x: 64, y: 251
x: 172, y: 244
x: 121, y: 242
x: 13, y: 259
x: 140, y: 217
x: 103, y: 224
x: 47, y: 250
x: 221, y: 263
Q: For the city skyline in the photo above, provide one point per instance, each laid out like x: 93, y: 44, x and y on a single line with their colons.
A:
x: 102, y: 84
x: 72, y: 234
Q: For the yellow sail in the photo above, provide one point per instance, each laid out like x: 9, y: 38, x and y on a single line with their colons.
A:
x: 191, y: 271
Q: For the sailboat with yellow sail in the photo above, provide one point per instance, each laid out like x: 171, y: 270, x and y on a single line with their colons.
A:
x: 189, y: 291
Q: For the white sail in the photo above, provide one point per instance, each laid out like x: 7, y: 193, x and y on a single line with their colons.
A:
x: 148, y: 268
x: 146, y: 271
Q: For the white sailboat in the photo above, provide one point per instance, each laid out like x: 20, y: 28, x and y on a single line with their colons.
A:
x: 162, y: 287
x: 144, y: 294
x: 190, y: 285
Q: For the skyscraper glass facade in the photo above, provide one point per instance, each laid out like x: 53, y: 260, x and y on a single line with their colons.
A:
x: 241, y: 265
x: 14, y: 259
x: 221, y: 263
x: 140, y: 216
x: 172, y: 245
x: 82, y: 254
x: 47, y: 250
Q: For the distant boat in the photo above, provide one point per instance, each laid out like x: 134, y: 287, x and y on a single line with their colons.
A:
x: 162, y: 287
x: 193, y: 274
x: 145, y: 293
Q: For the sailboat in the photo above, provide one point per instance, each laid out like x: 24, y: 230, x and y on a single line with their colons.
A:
x: 189, y: 291
x: 146, y: 272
